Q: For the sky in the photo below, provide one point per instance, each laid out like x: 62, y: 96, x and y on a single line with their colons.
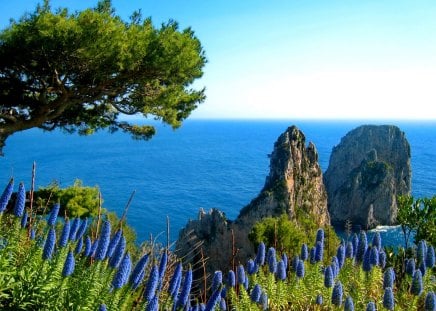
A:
x: 299, y: 59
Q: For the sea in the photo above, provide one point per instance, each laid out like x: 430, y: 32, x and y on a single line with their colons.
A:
x: 203, y: 164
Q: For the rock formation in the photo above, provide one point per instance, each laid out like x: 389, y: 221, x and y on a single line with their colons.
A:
x: 367, y: 171
x: 294, y: 182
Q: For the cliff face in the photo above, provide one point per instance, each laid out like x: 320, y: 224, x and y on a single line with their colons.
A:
x: 295, y: 180
x: 367, y: 171
x: 294, y: 183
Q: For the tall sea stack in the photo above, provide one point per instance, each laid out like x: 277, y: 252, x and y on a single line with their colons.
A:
x: 294, y: 182
x: 367, y: 171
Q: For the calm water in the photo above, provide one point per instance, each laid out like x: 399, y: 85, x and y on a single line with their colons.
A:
x: 204, y: 164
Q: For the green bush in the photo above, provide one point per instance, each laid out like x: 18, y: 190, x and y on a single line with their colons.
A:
x: 76, y: 201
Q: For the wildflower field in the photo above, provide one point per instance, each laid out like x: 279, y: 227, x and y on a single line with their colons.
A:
x: 48, y: 263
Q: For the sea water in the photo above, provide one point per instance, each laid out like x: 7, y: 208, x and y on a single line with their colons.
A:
x: 204, y: 164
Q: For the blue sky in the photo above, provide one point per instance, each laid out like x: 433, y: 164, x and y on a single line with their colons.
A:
x: 301, y: 59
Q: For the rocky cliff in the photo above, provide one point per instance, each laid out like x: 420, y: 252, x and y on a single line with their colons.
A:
x: 294, y: 183
x: 367, y: 171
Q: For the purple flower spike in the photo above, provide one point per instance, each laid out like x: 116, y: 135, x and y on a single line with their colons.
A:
x: 241, y: 274
x: 79, y: 246
x: 430, y: 302
x: 264, y: 301
x: 421, y: 251
x: 24, y: 220
x: 272, y: 263
x: 255, y: 293
x: 163, y: 265
x: 136, y: 278
x: 382, y: 259
x: 376, y: 241
x: 88, y: 247
x: 173, y: 288
x: 217, y: 280
x: 69, y: 265
x: 430, y: 257
x: 213, y: 300
x: 312, y: 254
x: 410, y: 267
x: 349, y: 305
x: 260, y: 256
x: 337, y: 294
x: 152, y: 283
x: 103, y: 244
x: 49, y: 244
x: 362, y: 245
x: 153, y: 305
x: 388, y: 299
x: 328, y: 277
x: 304, y: 254
x: 371, y: 306
x: 349, y: 250
x: 388, y: 278
x: 115, y: 260
x: 231, y: 279
x: 93, y: 248
x: 367, y: 266
x: 319, y: 251
x: 340, y: 254
x: 53, y: 215
x: 73, y: 230
x: 20, y: 201
x: 123, y: 272
x: 82, y: 229
x: 416, y: 287
x: 320, y: 236
x: 65, y: 234
x: 113, y: 243
x: 300, y: 269
x: 251, y: 269
x: 186, y: 289
x: 355, y: 242
x: 6, y: 195
x: 285, y: 260
x: 223, y: 305
x: 374, y: 256
x: 281, y: 270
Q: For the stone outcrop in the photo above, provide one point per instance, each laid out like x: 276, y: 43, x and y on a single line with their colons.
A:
x: 294, y: 184
x: 367, y: 171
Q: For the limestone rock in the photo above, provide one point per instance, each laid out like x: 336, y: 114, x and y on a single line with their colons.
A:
x: 294, y: 181
x: 367, y: 171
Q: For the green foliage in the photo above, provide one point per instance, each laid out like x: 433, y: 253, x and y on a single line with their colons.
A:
x: 76, y: 201
x: 288, y: 235
x: 419, y: 216
x: 27, y: 282
x: 78, y: 71
x: 281, y: 232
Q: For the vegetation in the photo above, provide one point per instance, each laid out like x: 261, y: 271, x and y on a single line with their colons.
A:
x: 287, y: 235
x: 46, y: 265
x: 418, y: 216
x: 75, y: 201
x: 79, y: 71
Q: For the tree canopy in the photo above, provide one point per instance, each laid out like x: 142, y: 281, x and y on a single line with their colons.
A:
x: 81, y: 71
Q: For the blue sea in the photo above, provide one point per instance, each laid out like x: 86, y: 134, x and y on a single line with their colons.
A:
x: 204, y: 164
